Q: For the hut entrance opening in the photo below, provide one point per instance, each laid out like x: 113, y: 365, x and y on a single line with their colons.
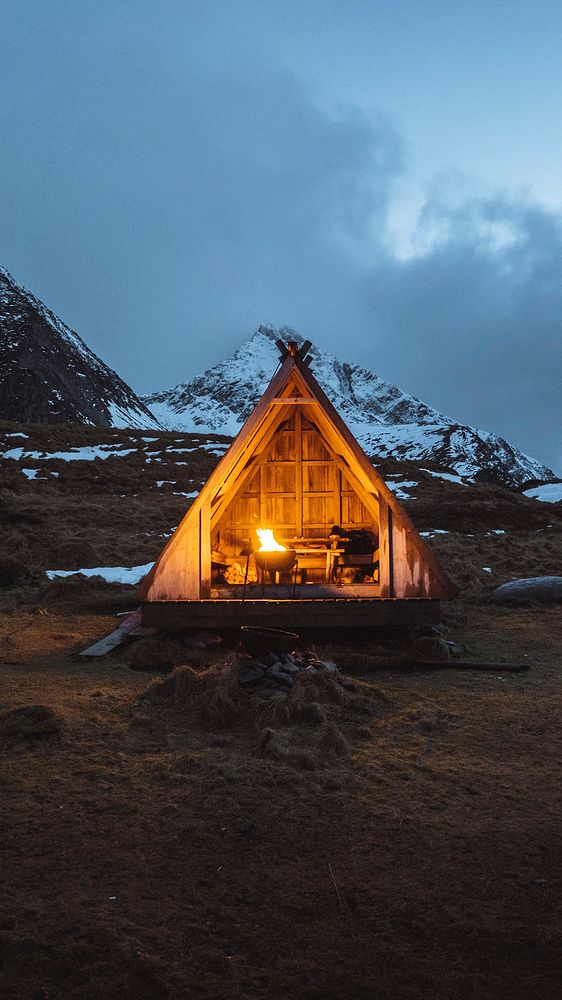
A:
x: 307, y: 496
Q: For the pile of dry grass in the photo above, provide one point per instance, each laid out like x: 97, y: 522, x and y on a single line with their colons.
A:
x: 29, y: 724
x: 311, y: 725
x: 210, y: 697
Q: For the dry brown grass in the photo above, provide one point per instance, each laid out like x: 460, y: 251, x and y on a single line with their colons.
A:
x: 256, y: 847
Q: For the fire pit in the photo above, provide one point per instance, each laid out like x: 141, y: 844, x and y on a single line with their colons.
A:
x: 272, y: 557
x: 275, y: 561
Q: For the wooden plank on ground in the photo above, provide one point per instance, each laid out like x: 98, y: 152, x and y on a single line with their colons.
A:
x: 131, y: 626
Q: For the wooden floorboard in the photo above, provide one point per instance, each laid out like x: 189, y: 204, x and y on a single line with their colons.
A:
x: 302, y: 591
x: 300, y: 614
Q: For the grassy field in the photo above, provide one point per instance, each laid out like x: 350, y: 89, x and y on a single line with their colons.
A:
x: 174, y: 836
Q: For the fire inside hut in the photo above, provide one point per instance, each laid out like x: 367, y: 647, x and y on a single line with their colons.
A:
x: 293, y: 514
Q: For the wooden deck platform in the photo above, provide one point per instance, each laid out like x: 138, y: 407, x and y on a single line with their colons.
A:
x: 298, y: 614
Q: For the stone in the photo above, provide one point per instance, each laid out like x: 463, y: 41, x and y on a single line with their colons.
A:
x: 539, y: 589
x: 269, y: 659
x: 281, y: 676
x: 328, y: 665
x: 290, y: 668
x: 431, y: 648
x: 310, y: 670
x: 251, y: 673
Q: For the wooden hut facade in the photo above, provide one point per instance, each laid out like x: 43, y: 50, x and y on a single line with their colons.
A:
x: 295, y: 469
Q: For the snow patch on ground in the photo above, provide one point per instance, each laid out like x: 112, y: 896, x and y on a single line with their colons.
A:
x: 448, y: 476
x: 85, y: 454
x: 548, y: 493
x: 112, y: 574
x: 399, y: 488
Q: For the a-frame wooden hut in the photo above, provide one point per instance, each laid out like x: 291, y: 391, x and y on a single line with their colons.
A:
x: 296, y: 469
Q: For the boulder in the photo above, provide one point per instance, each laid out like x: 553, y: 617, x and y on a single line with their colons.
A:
x: 534, y: 589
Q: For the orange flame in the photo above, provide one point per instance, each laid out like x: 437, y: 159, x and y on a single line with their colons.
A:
x: 267, y: 541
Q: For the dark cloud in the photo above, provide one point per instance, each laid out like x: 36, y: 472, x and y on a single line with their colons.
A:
x: 184, y: 206
x: 474, y: 324
x: 167, y: 185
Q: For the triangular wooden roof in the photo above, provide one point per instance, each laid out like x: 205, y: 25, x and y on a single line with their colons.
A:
x: 293, y: 383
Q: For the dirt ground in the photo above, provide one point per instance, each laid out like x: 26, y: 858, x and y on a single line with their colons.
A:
x: 169, y: 836
x: 153, y: 851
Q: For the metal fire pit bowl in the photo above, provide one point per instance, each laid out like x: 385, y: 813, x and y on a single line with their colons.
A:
x: 267, y: 640
x: 275, y: 562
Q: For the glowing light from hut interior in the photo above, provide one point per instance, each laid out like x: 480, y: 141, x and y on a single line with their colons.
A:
x: 267, y: 541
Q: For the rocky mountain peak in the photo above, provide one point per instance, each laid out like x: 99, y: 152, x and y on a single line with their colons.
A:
x: 49, y: 375
x: 386, y: 421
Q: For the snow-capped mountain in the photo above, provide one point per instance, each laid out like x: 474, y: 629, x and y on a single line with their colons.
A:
x: 385, y: 420
x: 48, y: 375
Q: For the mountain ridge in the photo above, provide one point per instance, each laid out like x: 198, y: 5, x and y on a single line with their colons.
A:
x: 48, y: 374
x: 386, y: 421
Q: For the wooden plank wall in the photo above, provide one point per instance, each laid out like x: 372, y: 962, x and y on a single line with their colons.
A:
x: 411, y: 576
x: 179, y: 576
x: 298, y: 491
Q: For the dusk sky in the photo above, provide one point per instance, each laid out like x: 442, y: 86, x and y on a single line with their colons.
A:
x: 385, y: 177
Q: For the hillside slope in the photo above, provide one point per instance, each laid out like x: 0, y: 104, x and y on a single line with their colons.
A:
x: 48, y: 375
